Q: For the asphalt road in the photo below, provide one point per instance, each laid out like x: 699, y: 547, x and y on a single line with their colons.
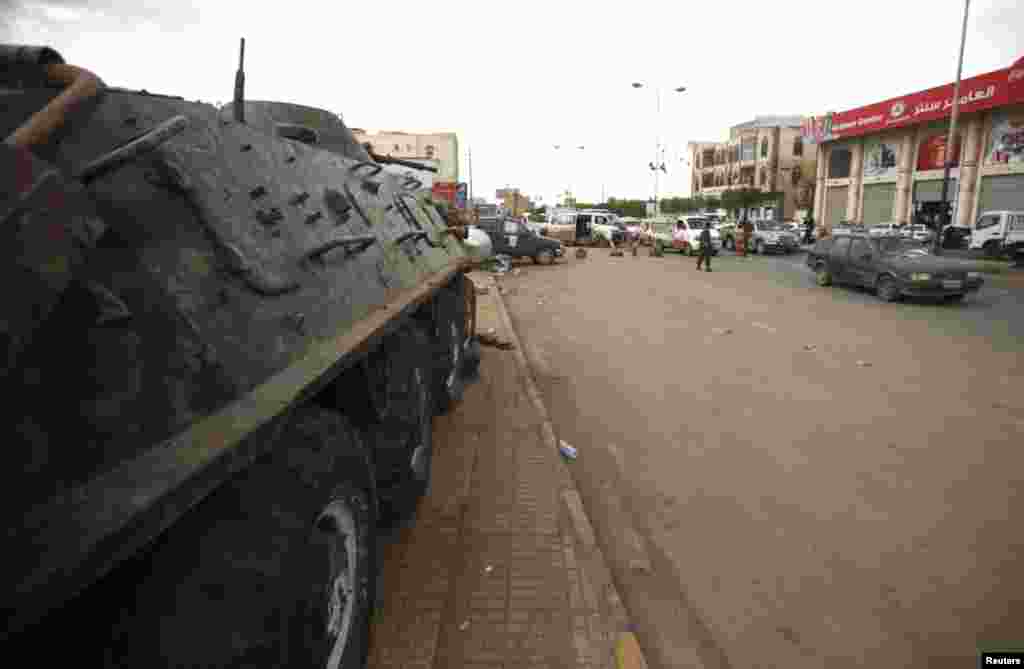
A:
x: 819, y: 478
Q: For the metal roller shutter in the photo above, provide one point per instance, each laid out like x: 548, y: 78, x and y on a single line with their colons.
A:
x: 835, y: 205
x: 1004, y: 192
x: 879, y: 200
x: 931, y: 191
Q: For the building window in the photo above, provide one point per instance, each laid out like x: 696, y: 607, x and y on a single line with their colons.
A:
x: 762, y: 177
x: 408, y: 147
x: 430, y: 150
x: 398, y: 147
x: 796, y: 175
x: 764, y: 147
x: 839, y: 163
x: 798, y: 146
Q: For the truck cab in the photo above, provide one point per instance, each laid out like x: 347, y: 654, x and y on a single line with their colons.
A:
x: 999, y: 232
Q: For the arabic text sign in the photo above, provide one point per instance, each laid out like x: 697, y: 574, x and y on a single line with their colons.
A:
x: 984, y: 91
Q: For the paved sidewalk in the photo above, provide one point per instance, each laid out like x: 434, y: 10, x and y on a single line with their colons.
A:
x: 495, y: 572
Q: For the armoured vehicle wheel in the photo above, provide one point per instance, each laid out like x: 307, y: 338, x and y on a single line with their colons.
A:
x: 888, y: 289
x: 450, y: 328
x: 991, y: 249
x: 277, y: 568
x: 952, y: 299
x: 400, y: 379
x: 759, y: 247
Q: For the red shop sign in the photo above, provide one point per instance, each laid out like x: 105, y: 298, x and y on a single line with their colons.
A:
x: 985, y: 91
x: 932, y: 153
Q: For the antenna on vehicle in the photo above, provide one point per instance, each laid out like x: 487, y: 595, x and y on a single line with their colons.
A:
x: 239, y: 104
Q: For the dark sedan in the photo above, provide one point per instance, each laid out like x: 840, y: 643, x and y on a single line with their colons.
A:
x: 893, y: 266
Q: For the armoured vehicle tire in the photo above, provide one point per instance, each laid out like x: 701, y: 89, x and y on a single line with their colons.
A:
x: 992, y: 249
x: 953, y: 299
x: 759, y: 248
x: 402, y: 440
x: 450, y: 328
x: 471, y: 364
x: 280, y: 568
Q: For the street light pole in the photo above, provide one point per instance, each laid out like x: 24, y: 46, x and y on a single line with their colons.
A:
x: 948, y: 154
x: 658, y: 149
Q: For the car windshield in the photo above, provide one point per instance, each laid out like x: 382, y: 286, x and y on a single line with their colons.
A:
x: 903, y: 246
x: 773, y: 226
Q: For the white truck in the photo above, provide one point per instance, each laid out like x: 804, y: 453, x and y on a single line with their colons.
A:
x: 999, y: 233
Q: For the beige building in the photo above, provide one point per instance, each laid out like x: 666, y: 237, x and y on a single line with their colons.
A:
x: 442, y: 147
x: 767, y: 153
x: 884, y: 162
x: 513, y: 200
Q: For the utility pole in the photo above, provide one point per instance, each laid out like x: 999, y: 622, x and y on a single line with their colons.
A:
x: 948, y: 154
x: 471, y: 177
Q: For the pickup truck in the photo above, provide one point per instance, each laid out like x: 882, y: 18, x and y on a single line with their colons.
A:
x: 999, y: 233
x: 893, y: 267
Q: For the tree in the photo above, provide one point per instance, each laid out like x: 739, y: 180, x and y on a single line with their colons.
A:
x: 745, y: 198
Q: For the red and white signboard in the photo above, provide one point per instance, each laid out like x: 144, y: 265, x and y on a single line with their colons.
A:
x: 985, y: 91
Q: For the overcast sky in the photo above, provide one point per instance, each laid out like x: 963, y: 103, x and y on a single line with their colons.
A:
x: 513, y: 79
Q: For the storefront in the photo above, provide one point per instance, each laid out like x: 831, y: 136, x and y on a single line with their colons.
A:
x: 892, y: 154
x: 1004, y: 153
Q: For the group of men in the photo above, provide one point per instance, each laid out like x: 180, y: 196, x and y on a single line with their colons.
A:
x: 706, y: 249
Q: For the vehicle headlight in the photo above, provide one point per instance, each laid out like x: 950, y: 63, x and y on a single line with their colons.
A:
x: 974, y: 275
x: 920, y: 276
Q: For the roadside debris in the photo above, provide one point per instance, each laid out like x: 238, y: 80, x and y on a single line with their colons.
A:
x: 810, y: 347
x: 722, y: 331
x: 567, y: 450
x: 499, y: 264
x: 464, y: 625
x: 491, y: 339
x: 863, y: 363
x: 489, y: 568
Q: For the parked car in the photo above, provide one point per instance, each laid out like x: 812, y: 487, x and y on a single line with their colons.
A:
x: 634, y: 228
x: 999, y: 233
x: 920, y: 232
x: 893, y: 266
x: 772, y: 236
x: 887, y: 229
x: 684, y: 235
x: 956, y: 236
x: 727, y: 231
x: 511, y: 237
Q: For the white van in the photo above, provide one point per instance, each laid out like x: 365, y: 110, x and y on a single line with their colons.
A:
x: 999, y: 232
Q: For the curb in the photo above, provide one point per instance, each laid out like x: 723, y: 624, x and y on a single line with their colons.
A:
x: 627, y: 644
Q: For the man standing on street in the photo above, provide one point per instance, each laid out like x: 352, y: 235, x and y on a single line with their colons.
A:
x: 748, y: 232
x: 705, y: 247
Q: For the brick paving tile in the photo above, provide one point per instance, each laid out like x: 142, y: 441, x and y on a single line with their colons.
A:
x: 491, y: 575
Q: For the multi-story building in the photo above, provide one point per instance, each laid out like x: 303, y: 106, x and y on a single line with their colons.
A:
x: 513, y: 200
x: 885, y: 162
x: 442, y: 147
x: 766, y: 153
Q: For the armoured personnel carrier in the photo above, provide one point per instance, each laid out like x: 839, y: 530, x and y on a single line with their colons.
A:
x: 224, y: 344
